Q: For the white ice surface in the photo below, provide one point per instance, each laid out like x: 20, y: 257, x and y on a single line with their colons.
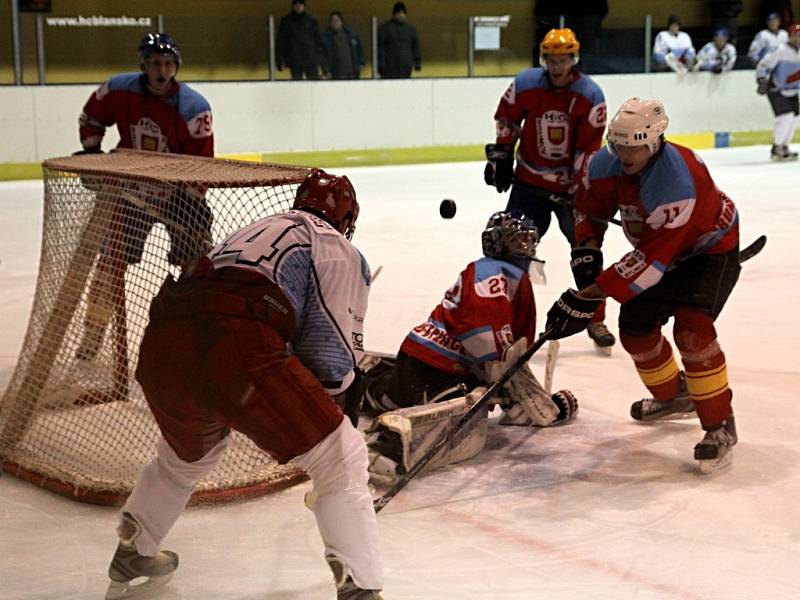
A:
x: 600, y: 508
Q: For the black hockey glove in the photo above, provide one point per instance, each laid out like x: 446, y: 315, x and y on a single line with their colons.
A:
x: 92, y: 150
x: 499, y: 170
x: 567, y: 405
x: 351, y: 399
x: 570, y: 314
x: 586, y: 264
x: 763, y: 86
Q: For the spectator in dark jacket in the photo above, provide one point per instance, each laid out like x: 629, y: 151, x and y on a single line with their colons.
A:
x: 342, y: 49
x: 299, y: 44
x: 398, y: 46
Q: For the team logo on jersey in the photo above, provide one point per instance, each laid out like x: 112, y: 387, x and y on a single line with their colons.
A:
x: 358, y: 341
x: 552, y: 133
x: 632, y: 263
x: 146, y: 135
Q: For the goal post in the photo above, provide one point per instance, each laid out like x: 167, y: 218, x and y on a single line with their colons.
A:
x: 73, y: 419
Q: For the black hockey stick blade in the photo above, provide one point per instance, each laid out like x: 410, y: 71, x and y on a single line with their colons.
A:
x: 448, y: 434
x: 750, y: 251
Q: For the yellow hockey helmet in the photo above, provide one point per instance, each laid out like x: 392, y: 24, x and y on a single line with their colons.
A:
x: 559, y: 41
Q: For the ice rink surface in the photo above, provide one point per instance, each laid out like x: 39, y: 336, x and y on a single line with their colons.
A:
x: 600, y: 508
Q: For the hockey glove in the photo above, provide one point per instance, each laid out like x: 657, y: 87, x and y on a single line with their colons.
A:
x: 499, y: 171
x: 586, y: 265
x: 570, y: 314
x: 763, y: 86
x: 91, y: 150
x: 567, y: 405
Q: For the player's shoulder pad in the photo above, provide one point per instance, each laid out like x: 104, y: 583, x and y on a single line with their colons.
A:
x: 669, y: 179
x: 191, y: 102
x: 126, y: 82
x: 530, y: 79
x: 604, y: 164
x: 588, y: 88
x: 488, y: 267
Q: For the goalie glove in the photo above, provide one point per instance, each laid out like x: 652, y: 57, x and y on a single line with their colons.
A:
x: 586, y: 265
x: 499, y: 171
x: 763, y: 86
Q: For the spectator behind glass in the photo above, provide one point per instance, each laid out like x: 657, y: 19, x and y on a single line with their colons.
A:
x: 398, y: 46
x: 342, y: 48
x: 673, y: 49
x: 717, y: 55
x: 299, y: 44
x: 767, y: 40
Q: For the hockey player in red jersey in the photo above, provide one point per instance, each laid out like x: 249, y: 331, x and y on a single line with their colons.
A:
x: 685, y: 234
x: 215, y: 357
x: 483, y: 323
x: 152, y: 112
x: 558, y: 115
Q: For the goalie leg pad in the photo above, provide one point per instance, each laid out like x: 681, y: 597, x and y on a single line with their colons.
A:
x: 525, y: 391
x: 403, y: 436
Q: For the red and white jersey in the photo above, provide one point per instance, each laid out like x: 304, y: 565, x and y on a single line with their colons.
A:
x: 324, y: 277
x: 179, y: 123
x: 669, y: 211
x: 490, y: 306
x: 558, y: 129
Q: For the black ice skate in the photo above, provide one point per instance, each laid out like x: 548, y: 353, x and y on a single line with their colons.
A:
x: 346, y: 589
x: 782, y: 153
x: 650, y: 409
x: 715, y: 451
x: 128, y: 565
x: 603, y: 339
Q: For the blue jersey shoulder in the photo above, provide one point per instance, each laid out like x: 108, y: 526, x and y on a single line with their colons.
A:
x: 529, y: 79
x: 127, y: 82
x: 667, y: 180
x: 487, y: 267
x: 587, y: 88
x: 189, y: 102
x: 604, y: 164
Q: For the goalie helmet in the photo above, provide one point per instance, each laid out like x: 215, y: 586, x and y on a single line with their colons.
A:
x: 330, y: 197
x: 559, y: 42
x: 159, y: 43
x: 638, y: 123
x: 510, y: 234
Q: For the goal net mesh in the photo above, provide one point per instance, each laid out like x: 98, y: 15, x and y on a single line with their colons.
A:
x: 73, y: 418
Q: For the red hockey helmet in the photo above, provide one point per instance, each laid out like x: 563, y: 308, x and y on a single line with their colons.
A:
x: 331, y: 197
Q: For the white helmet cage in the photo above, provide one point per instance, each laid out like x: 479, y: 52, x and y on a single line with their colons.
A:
x: 638, y: 123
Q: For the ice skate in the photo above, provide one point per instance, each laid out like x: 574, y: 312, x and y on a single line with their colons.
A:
x: 715, y: 451
x: 782, y: 153
x: 603, y: 339
x: 346, y: 589
x: 787, y: 153
x: 650, y: 409
x: 128, y: 565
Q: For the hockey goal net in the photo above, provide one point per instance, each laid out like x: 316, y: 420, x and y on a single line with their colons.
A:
x: 73, y: 419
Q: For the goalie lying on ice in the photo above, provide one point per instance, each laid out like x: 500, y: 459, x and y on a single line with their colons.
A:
x: 485, y: 321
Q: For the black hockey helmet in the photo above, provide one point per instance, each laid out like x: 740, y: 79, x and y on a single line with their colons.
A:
x: 159, y: 43
x: 510, y: 234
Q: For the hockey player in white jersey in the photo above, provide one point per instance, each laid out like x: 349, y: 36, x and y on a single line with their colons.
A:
x: 718, y: 55
x: 263, y: 337
x: 767, y: 40
x: 778, y: 76
x: 673, y: 48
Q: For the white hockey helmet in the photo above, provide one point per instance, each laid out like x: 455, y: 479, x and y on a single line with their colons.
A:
x: 638, y: 123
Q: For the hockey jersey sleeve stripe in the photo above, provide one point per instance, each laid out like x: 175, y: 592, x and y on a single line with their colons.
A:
x: 649, y: 277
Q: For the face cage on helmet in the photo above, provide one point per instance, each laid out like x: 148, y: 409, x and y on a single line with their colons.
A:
x: 524, y: 243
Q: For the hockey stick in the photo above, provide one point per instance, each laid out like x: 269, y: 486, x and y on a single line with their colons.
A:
x: 446, y: 436
x: 550, y: 365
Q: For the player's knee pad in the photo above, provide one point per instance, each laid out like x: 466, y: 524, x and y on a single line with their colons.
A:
x: 184, y: 473
x: 694, y: 332
x: 337, y: 463
x: 641, y: 343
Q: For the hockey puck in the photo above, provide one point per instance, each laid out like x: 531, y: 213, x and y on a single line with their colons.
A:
x: 447, y: 208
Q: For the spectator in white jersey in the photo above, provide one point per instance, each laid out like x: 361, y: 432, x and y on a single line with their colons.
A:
x: 673, y: 49
x: 778, y: 76
x: 718, y: 55
x: 767, y: 40
x: 261, y: 336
